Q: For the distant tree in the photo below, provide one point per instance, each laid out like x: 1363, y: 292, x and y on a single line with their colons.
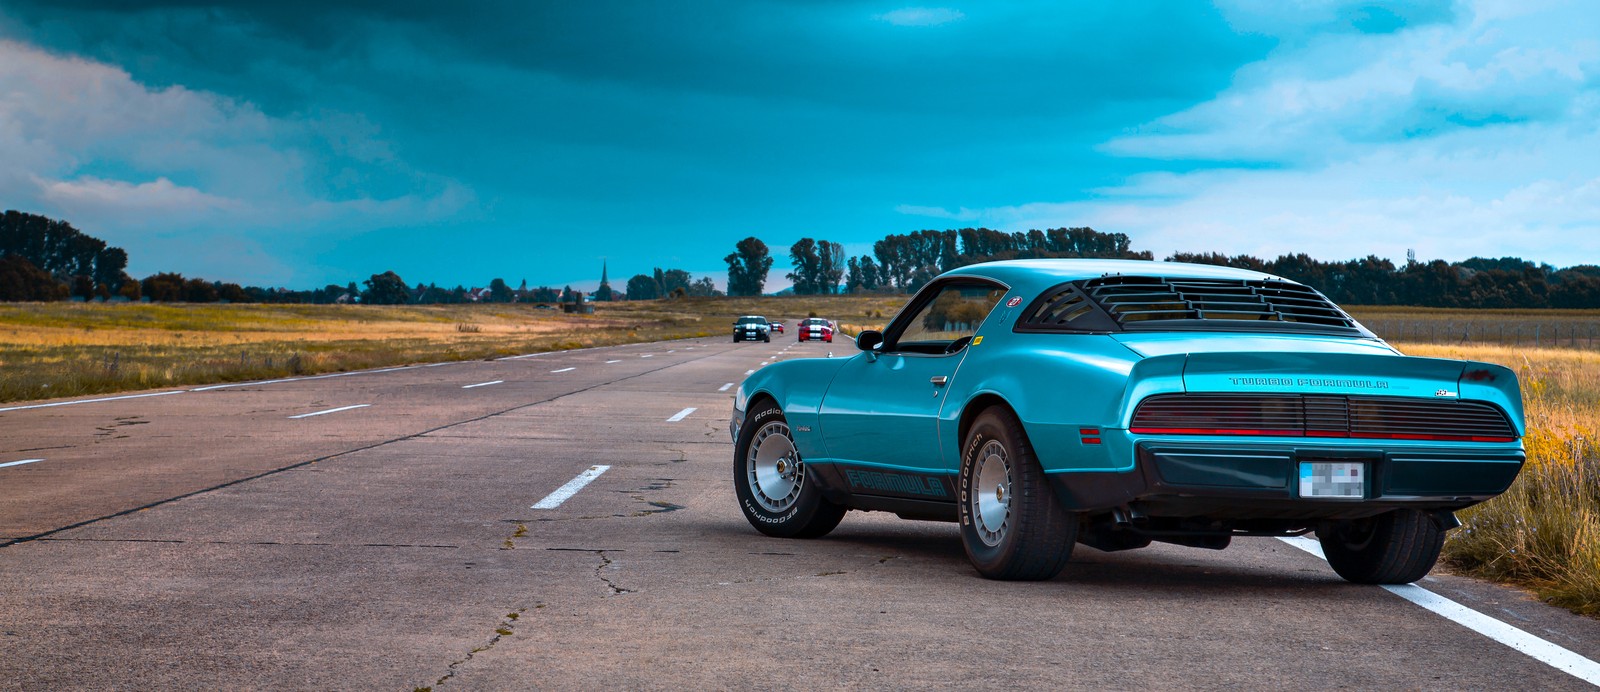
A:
x: 499, y: 292
x: 20, y: 280
x: 830, y: 266
x: 386, y: 289
x: 807, y: 264
x: 62, y: 251
x: 747, y: 268
x: 164, y: 287
x: 642, y: 287
x: 233, y: 293
x: 130, y: 288
x: 199, y: 291
x: 82, y: 287
x: 704, y: 287
x: 673, y: 279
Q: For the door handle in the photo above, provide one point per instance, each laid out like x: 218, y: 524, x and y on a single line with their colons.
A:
x: 939, y: 380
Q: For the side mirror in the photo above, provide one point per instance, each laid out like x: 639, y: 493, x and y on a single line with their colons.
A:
x: 869, y: 340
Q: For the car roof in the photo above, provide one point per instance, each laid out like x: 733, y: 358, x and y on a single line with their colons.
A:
x: 1034, y: 275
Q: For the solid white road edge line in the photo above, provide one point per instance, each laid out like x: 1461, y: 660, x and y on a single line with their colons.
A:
x: 90, y: 401
x: 681, y: 415
x: 298, y: 379
x: 554, y: 500
x: 482, y: 384
x: 725, y: 387
x: 1562, y: 659
x: 19, y: 463
x: 331, y: 410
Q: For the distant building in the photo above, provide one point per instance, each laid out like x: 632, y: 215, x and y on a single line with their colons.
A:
x: 604, y: 292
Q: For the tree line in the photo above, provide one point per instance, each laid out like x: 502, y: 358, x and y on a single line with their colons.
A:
x: 45, y: 259
x: 903, y: 263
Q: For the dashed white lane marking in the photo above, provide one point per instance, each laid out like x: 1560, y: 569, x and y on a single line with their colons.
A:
x: 672, y: 350
x: 749, y: 372
x: 725, y: 387
x: 90, y: 401
x: 331, y: 410
x: 554, y: 500
x: 613, y: 361
x: 564, y: 370
x: 648, y: 355
x: 19, y: 463
x: 481, y: 384
x: 1557, y: 657
x: 681, y: 415
x: 763, y: 363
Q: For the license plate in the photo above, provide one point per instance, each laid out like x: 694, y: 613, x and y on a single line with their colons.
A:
x: 1333, y: 479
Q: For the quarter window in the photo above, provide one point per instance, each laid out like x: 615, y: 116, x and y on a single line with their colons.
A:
x: 949, y: 320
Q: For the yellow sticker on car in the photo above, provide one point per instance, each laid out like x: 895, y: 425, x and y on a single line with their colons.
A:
x: 977, y: 340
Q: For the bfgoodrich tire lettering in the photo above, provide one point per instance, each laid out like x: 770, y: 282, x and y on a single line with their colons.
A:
x: 774, y: 490
x: 1397, y: 547
x: 1012, y: 527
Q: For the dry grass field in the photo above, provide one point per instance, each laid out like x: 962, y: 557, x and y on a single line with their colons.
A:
x: 52, y: 350
x: 1543, y: 534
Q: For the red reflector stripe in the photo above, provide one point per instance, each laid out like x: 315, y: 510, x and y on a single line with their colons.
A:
x: 1088, y: 431
x: 1091, y: 440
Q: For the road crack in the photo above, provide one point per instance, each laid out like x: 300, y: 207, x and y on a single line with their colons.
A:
x: 506, y: 628
x: 605, y: 564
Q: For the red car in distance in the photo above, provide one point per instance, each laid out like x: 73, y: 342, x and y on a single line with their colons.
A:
x: 777, y: 327
x: 815, y: 329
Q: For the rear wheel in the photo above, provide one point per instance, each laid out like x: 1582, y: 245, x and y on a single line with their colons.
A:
x: 774, y: 490
x: 1012, y: 527
x: 1397, y: 547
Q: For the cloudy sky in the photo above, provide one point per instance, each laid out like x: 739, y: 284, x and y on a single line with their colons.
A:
x: 301, y: 143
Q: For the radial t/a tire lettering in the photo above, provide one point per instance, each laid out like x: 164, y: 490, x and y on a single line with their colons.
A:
x: 775, y: 492
x: 1397, y: 547
x: 1012, y: 526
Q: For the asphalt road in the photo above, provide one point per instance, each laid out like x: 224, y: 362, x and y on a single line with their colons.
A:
x: 221, y: 538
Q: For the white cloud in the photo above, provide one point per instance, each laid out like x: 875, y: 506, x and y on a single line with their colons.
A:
x: 1475, y: 138
x: 158, y: 169
x: 962, y: 214
x: 921, y: 16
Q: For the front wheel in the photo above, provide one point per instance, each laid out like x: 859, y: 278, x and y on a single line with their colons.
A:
x: 1398, y: 547
x: 777, y: 495
x: 1012, y: 527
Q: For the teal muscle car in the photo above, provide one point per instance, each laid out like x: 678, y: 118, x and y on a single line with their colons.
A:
x: 1044, y: 403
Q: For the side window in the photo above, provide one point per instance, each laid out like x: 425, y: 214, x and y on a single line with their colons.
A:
x: 947, y: 322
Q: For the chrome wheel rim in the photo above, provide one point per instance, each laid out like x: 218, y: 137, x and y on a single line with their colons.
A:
x: 991, y: 494
x: 773, y: 468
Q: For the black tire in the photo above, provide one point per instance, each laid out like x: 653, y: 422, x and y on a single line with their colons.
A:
x: 802, y: 512
x: 1397, y: 547
x: 766, y: 339
x: 1025, y: 534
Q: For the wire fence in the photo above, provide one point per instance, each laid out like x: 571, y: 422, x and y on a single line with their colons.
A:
x: 1551, y: 333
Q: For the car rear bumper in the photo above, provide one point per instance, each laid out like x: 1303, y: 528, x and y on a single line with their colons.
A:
x: 1259, y: 481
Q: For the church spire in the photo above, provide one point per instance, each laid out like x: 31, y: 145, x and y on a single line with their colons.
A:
x: 604, y: 291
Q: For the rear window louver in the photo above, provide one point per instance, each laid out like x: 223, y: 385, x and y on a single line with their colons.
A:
x: 1117, y: 303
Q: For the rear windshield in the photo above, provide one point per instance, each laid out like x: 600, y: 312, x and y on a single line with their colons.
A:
x: 1148, y: 303
x: 815, y: 322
